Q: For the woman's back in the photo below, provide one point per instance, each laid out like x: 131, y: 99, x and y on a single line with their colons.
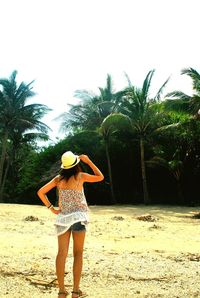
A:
x: 74, y: 182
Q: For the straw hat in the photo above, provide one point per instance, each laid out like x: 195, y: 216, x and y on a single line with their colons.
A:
x: 69, y: 160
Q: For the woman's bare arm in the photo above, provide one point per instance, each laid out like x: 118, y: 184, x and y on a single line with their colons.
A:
x: 44, y: 190
x: 97, y: 176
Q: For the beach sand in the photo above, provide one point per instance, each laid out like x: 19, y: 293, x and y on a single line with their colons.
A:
x: 123, y: 256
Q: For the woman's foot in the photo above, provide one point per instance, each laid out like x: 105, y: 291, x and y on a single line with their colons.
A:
x: 78, y: 294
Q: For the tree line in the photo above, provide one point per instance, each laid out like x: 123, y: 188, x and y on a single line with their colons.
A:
x: 147, y: 146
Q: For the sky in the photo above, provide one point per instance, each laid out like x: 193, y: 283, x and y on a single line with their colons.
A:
x: 65, y: 45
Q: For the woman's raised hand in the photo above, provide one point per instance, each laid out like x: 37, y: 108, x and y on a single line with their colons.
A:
x: 84, y: 158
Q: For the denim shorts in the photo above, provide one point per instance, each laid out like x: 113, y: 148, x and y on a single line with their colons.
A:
x: 77, y: 227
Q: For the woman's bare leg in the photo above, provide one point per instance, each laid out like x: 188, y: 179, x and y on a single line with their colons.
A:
x: 63, y: 246
x: 78, y: 244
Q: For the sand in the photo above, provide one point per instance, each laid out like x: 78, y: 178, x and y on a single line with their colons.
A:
x: 123, y: 256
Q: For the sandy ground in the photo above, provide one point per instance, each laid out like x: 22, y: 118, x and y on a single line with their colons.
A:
x: 123, y: 257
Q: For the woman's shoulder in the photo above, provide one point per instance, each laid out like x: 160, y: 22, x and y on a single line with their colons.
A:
x: 57, y: 179
x: 78, y: 176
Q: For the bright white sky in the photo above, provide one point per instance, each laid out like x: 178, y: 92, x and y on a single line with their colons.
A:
x: 65, y: 45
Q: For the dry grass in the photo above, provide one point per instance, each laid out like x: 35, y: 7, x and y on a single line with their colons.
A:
x: 157, y: 256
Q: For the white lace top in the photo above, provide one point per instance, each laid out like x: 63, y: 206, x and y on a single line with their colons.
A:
x: 73, y: 206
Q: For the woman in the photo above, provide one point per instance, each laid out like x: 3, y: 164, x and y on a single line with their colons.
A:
x: 72, y: 215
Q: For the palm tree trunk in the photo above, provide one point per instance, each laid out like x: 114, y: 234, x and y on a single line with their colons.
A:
x: 4, y: 181
x: 113, y: 199
x: 143, y: 170
x: 2, y: 160
x: 177, y: 175
x: 179, y: 191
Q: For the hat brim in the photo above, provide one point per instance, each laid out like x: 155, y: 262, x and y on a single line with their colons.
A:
x: 71, y: 166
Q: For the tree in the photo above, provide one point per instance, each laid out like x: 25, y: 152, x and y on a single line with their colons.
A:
x: 109, y: 126
x: 17, y: 119
x: 183, y: 137
x: 179, y: 101
x: 89, y: 113
x: 145, y: 115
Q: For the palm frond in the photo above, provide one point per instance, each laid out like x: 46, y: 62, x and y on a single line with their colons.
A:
x: 160, y: 91
x: 109, y: 85
x: 147, y: 83
x: 166, y: 127
x: 178, y: 105
x: 195, y: 104
x: 194, y: 75
x: 128, y: 79
x: 191, y: 72
x: 30, y: 136
x: 24, y: 92
x: 84, y: 95
x: 157, y: 161
x: 114, y: 122
x: 178, y: 94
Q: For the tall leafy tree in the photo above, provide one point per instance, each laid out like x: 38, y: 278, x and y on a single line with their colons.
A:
x: 109, y: 126
x: 17, y: 120
x: 145, y: 115
x: 184, y: 143
x: 89, y: 114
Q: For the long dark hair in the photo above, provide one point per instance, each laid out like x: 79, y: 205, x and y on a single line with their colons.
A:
x: 67, y: 173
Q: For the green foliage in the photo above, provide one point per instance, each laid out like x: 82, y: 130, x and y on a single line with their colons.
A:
x: 19, y: 124
x: 113, y: 123
x: 92, y: 108
x: 179, y: 101
x: 129, y: 134
x: 38, y: 168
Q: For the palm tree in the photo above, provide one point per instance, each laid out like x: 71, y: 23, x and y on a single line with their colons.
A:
x: 93, y: 108
x: 145, y: 115
x: 183, y: 137
x: 17, y: 118
x: 109, y: 126
x: 179, y: 101
x: 90, y: 113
